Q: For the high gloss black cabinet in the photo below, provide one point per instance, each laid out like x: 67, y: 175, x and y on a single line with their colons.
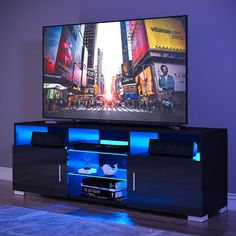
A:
x: 161, y: 183
x: 180, y: 184
x: 40, y: 170
x: 195, y: 186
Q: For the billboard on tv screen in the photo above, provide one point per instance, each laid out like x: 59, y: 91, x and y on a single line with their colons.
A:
x: 131, y: 71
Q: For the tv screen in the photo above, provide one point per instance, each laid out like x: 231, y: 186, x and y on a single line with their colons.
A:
x: 120, y: 71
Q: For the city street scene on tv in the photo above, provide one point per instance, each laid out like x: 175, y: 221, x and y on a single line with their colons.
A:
x: 120, y: 71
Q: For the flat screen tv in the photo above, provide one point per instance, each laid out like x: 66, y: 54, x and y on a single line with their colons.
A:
x: 129, y: 71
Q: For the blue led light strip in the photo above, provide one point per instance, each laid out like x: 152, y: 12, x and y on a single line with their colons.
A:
x: 139, y: 141
x: 85, y: 135
x: 197, y: 157
x: 107, y: 153
x: 196, y: 154
x: 24, y: 133
x: 114, y: 142
x: 101, y: 177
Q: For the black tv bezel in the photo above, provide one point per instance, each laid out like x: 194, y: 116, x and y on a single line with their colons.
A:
x: 113, y: 121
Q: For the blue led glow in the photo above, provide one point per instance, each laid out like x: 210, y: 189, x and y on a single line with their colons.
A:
x: 196, y: 154
x: 115, y: 217
x: 139, y: 141
x: 197, y: 157
x: 195, y: 146
x: 24, y: 133
x: 114, y: 142
x: 84, y: 135
x: 107, y: 153
x: 77, y: 160
x: 101, y: 177
x: 108, y: 216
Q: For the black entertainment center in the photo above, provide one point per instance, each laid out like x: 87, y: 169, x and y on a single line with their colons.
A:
x: 181, y: 182
x: 121, y: 82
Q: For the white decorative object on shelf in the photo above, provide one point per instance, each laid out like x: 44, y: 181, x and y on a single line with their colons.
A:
x: 107, y: 169
x: 87, y: 171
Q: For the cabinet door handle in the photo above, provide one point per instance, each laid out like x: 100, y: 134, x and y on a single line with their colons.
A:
x: 134, y: 178
x: 59, y: 173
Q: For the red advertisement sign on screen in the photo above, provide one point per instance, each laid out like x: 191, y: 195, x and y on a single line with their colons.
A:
x: 51, y: 42
x: 66, y: 54
x: 77, y: 75
x: 139, y: 42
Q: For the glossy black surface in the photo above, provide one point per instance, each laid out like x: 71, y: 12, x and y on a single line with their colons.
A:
x: 169, y: 184
x: 40, y: 170
x: 179, y: 184
x: 165, y: 184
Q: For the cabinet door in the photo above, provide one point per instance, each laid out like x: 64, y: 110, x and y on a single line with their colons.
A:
x: 40, y: 170
x: 166, y: 184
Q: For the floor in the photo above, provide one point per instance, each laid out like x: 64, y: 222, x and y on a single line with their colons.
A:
x: 221, y: 224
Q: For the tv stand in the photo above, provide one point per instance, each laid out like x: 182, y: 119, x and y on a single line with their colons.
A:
x: 174, y: 127
x: 76, y: 121
x: 51, y: 122
x: 193, y: 185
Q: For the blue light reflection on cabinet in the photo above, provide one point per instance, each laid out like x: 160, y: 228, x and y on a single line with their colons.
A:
x: 83, y: 135
x: 196, y: 154
x: 110, y: 216
x: 197, y: 157
x: 139, y: 141
x: 195, y: 147
x: 24, y: 133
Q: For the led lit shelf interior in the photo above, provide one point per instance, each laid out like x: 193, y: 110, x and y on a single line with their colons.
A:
x: 79, y: 160
x: 120, y: 175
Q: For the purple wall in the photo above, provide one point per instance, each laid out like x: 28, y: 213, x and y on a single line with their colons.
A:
x: 211, y: 59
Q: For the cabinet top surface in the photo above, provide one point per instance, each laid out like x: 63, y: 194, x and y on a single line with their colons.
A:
x: 128, y: 127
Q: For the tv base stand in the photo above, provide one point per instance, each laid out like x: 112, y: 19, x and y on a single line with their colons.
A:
x: 175, y: 127
x: 21, y: 193
x: 198, y: 219
x: 51, y: 122
x: 223, y: 210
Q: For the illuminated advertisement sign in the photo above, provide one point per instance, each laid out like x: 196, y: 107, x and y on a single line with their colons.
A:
x: 144, y: 82
x: 130, y: 91
x: 166, y: 34
x: 139, y: 42
x: 66, y: 53
x: 177, y: 73
x: 85, y: 64
x: 126, y: 81
x: 127, y: 69
x: 51, y: 42
x: 79, y: 47
x: 90, y: 77
x: 77, y: 75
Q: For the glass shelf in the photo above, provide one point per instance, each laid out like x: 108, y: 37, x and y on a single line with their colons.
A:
x: 97, y: 152
x: 120, y: 175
